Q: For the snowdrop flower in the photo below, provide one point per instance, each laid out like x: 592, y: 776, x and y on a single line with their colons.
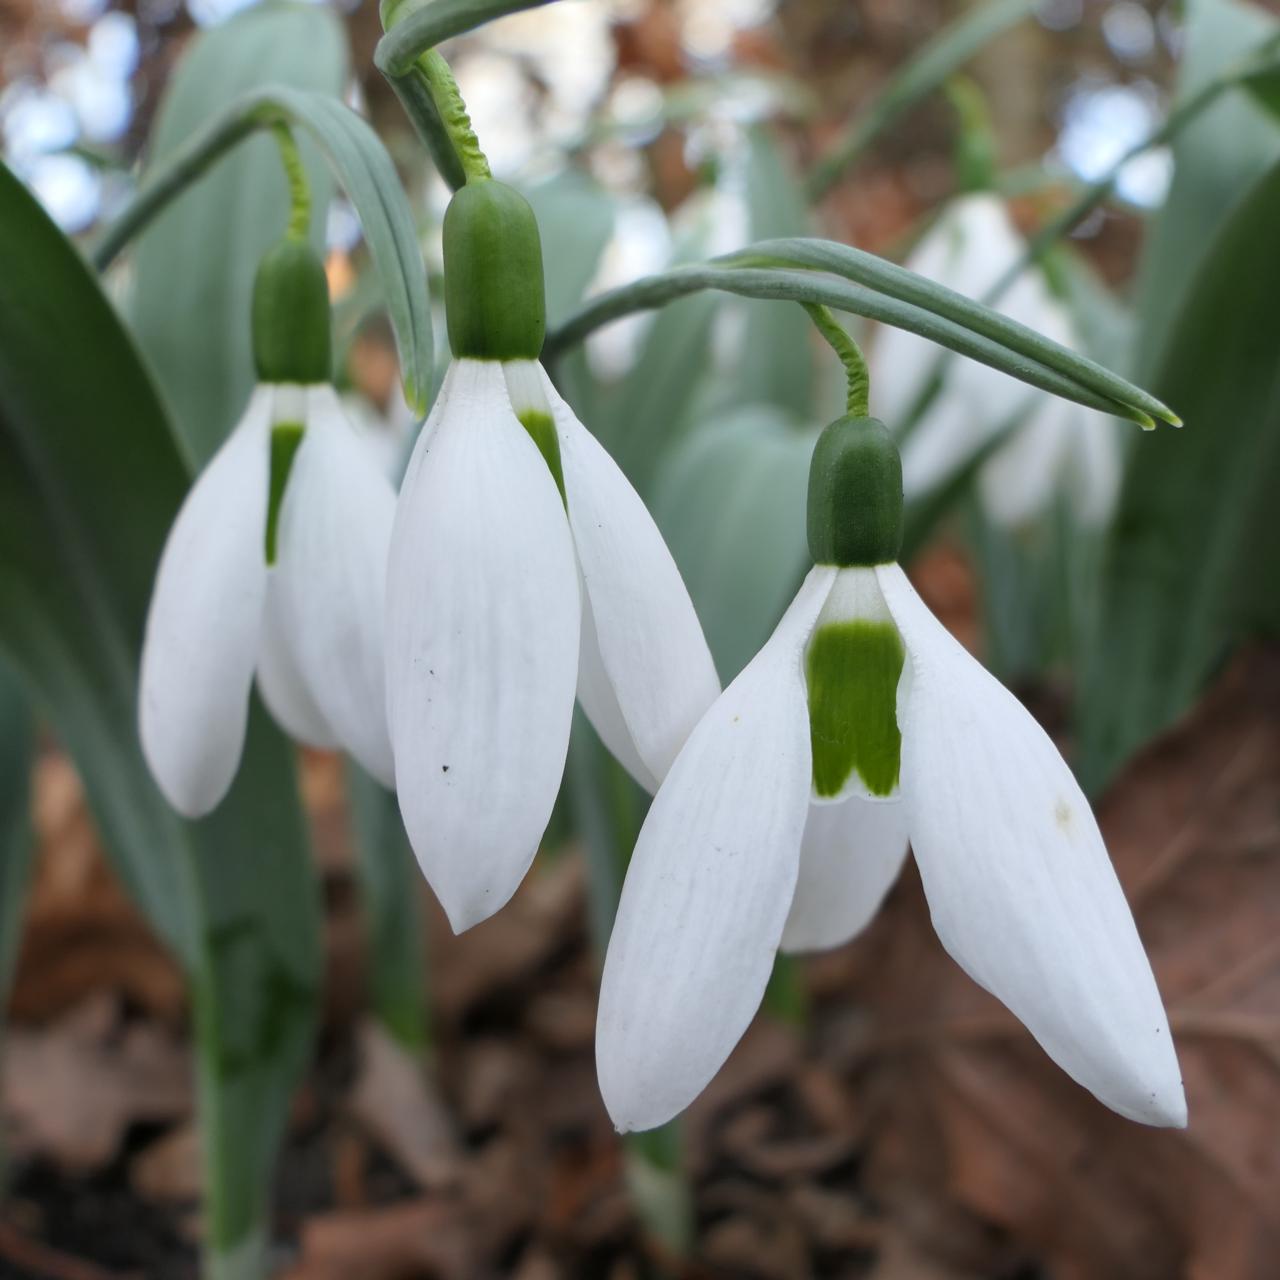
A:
x: 1054, y: 445
x: 862, y: 725
x: 275, y: 566
x: 523, y: 567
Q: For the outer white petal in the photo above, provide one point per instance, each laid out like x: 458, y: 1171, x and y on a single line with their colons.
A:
x: 281, y: 683
x: 595, y: 692
x: 331, y: 571
x: 648, y: 637
x: 709, y: 885
x: 482, y: 646
x: 948, y: 434
x: 852, y: 854
x: 1019, y: 883
x: 1019, y: 481
x: 202, y: 628
x: 1095, y: 467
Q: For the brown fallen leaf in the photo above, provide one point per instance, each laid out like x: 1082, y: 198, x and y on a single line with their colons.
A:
x: 395, y: 1100
x: 73, y: 1089
x: 971, y: 1111
x: 80, y: 932
x: 408, y: 1241
x: 506, y: 951
x: 169, y: 1168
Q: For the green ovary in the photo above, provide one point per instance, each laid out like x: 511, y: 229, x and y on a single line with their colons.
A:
x: 543, y: 431
x: 853, y: 670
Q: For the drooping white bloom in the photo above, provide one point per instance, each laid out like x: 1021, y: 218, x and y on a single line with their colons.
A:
x: 769, y: 831
x: 1056, y: 445
x: 308, y: 625
x: 505, y: 595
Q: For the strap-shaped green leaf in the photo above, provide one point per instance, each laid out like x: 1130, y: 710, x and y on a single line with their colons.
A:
x: 90, y: 480
x: 947, y: 320
x: 362, y: 167
x: 897, y: 282
x: 1194, y: 561
x: 427, y: 26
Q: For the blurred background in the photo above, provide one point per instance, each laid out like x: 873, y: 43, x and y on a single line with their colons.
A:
x: 882, y: 1118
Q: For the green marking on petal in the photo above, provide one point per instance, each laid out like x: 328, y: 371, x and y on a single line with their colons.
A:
x: 285, y: 439
x: 853, y: 670
x: 541, y: 426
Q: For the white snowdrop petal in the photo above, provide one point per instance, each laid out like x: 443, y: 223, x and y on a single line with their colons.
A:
x: 1095, y: 467
x: 281, y: 683
x: 851, y: 856
x: 709, y: 885
x: 1018, y: 482
x: 482, y: 646
x: 335, y: 529
x: 600, y: 703
x: 1019, y: 883
x: 201, y: 640
x: 648, y: 636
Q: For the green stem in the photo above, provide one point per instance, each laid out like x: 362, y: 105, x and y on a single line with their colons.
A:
x: 433, y: 23
x: 855, y: 363
x: 295, y: 173
x: 415, y: 97
x: 453, y: 114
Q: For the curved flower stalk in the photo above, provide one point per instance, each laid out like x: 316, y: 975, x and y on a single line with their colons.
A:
x: 863, y: 725
x: 1055, y: 446
x: 523, y: 568
x: 274, y: 567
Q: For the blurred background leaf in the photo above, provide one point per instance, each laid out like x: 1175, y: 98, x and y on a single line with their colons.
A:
x: 17, y: 843
x: 1194, y: 564
x: 1216, y: 159
x: 90, y: 482
x: 391, y: 892
x: 730, y: 501
x: 194, y: 267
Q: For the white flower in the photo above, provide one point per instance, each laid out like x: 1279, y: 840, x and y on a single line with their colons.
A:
x: 309, y: 625
x: 503, y: 598
x: 1057, y: 445
x: 736, y: 858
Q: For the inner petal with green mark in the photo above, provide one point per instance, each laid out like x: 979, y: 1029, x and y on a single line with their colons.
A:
x: 285, y: 439
x: 542, y: 427
x: 852, y: 665
x: 524, y: 386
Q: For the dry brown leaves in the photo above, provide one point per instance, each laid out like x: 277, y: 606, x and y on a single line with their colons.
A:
x: 969, y: 1112
x: 73, y: 1089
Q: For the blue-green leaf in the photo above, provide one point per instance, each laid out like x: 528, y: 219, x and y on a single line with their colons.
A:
x: 1194, y: 562
x: 194, y: 269
x: 90, y: 479
x: 1217, y: 157
x: 731, y: 503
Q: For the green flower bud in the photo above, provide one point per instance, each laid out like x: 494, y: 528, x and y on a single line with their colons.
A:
x: 494, y: 298
x: 855, y: 495
x: 291, y: 336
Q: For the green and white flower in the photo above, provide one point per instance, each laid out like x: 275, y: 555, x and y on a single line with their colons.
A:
x: 275, y: 567
x: 860, y: 727
x: 524, y: 568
